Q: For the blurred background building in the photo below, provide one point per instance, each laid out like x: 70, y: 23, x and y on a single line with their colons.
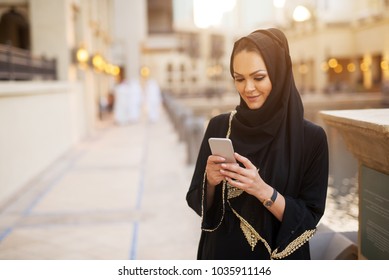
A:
x: 59, y: 60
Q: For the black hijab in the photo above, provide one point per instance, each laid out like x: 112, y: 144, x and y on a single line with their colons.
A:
x: 272, y: 136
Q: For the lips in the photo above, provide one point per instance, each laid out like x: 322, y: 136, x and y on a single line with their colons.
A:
x: 252, y: 98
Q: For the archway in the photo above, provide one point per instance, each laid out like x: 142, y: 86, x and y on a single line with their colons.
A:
x: 14, y: 30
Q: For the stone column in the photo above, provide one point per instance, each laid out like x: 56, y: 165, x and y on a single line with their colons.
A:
x: 129, y: 31
x: 366, y: 134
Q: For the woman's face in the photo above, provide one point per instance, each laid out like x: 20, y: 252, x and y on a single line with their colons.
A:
x: 251, y: 78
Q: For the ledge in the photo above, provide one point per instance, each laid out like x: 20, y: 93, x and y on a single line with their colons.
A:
x: 366, y: 134
x: 26, y: 88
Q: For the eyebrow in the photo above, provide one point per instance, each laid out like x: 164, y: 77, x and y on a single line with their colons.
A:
x: 253, y: 73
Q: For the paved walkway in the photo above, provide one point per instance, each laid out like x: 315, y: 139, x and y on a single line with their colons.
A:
x: 118, y: 195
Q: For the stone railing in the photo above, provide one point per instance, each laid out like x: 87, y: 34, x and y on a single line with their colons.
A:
x: 190, y: 128
x: 19, y: 64
x: 366, y: 134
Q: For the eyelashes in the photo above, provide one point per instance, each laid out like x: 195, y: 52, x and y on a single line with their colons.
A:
x: 258, y: 79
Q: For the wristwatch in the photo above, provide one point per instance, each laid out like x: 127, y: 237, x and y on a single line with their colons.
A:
x: 269, y: 201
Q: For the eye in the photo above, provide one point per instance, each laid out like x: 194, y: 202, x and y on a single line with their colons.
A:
x: 238, y: 79
x: 259, y: 78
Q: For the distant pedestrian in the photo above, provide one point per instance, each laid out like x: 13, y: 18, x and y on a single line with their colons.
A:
x: 121, y: 97
x: 135, y: 100
x: 154, y: 99
x: 127, y: 100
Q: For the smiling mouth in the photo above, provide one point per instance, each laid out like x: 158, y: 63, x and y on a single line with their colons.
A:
x: 252, y: 97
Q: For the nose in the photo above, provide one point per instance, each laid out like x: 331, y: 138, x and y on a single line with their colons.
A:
x: 249, y: 86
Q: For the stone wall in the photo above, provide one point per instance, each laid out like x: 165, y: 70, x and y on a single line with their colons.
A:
x: 39, y: 123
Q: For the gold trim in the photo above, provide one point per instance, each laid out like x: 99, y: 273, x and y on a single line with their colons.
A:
x: 294, y: 245
x: 202, y: 205
x: 252, y: 236
x: 233, y: 192
x: 229, y: 123
x: 224, y: 186
x: 202, y: 196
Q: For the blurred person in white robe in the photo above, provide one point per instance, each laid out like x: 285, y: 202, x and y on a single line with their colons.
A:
x: 121, y: 99
x: 153, y: 98
x: 135, y: 100
x: 127, y: 100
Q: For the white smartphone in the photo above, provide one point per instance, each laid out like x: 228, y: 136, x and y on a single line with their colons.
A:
x: 222, y: 147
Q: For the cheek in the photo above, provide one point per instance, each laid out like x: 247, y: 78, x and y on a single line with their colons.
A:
x: 239, y: 87
x: 267, y: 88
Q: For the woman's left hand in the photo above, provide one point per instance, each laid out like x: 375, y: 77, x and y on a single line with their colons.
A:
x: 246, y: 179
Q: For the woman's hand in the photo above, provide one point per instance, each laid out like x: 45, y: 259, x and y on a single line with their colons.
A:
x: 246, y: 179
x: 214, y: 177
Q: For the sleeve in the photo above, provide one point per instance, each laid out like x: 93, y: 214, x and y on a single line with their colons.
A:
x: 303, y: 213
x: 196, y: 196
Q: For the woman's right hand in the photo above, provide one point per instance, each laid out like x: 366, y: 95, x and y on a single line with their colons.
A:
x: 214, y: 177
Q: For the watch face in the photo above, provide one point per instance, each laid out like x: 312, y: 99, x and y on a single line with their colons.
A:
x: 268, y: 203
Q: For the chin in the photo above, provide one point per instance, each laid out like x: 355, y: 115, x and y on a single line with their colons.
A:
x: 255, y: 106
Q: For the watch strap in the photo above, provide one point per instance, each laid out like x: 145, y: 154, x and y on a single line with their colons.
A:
x: 269, y: 201
x: 274, y: 195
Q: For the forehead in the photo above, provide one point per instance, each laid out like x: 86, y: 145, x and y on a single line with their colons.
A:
x: 247, y: 62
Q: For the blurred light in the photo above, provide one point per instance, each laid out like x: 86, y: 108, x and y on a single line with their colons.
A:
x: 116, y: 70
x: 364, y: 67
x: 145, y: 71
x: 351, y: 67
x: 98, y: 62
x: 279, y: 3
x: 338, y: 69
x: 366, y: 63
x: 82, y: 55
x: 385, y: 65
x: 332, y: 63
x: 109, y: 69
x: 301, y: 13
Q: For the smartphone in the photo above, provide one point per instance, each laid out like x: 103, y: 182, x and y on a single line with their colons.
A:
x: 222, y: 147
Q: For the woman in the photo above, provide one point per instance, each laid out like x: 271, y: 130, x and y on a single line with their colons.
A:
x: 268, y: 206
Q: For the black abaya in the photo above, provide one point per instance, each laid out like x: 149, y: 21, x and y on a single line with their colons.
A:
x: 291, y: 155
